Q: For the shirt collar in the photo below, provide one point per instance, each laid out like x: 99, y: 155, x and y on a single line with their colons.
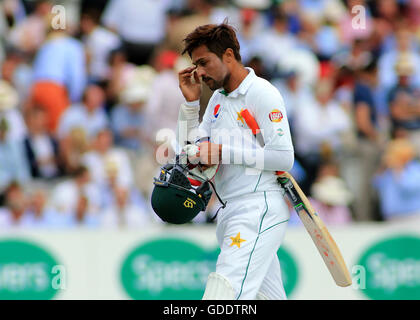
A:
x: 243, y: 87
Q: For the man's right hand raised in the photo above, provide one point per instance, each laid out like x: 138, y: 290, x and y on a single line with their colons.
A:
x: 190, y: 90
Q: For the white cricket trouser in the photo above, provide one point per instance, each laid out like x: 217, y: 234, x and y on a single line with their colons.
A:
x: 249, y: 231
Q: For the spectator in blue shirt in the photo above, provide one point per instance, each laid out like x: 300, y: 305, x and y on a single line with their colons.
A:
x: 404, y: 103
x: 13, y: 165
x: 127, y: 118
x: 61, y: 59
x: 88, y: 115
x: 405, y: 43
x: 398, y: 183
x: 59, y: 75
x: 368, y: 147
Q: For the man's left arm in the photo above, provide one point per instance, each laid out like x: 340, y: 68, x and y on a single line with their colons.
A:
x: 277, y: 152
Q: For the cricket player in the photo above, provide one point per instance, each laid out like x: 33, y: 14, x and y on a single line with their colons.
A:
x: 251, y: 228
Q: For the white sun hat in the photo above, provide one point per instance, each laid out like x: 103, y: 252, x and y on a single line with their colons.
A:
x: 332, y: 191
x: 134, y: 93
x: 254, y: 4
x: 8, y: 96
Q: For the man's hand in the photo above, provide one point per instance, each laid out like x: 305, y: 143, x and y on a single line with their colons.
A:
x: 209, y: 154
x: 191, y: 91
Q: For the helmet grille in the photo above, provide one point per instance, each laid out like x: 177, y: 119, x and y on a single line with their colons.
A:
x: 178, y: 178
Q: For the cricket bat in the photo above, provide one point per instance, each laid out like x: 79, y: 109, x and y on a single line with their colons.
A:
x: 316, y: 228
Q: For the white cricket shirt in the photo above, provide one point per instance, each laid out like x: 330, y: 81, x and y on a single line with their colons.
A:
x: 222, y: 122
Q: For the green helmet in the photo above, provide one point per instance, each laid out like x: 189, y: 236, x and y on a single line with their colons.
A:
x: 174, y: 199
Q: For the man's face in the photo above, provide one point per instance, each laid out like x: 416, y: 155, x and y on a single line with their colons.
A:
x: 84, y: 178
x: 15, y: 199
x: 94, y: 98
x: 38, y: 120
x: 210, y: 68
x: 86, y: 24
x: 404, y: 40
x: 104, y: 140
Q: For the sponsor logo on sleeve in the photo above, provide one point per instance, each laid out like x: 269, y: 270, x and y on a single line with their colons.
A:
x: 275, y: 115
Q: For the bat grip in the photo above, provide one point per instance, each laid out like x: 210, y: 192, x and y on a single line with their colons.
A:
x: 291, y: 191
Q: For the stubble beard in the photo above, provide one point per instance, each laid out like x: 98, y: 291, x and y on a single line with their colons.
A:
x: 219, y: 84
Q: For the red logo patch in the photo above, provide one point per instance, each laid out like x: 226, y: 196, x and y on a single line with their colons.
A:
x: 275, y: 115
x: 216, y: 111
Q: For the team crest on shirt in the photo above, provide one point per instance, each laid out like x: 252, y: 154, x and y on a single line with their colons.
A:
x: 240, y: 118
x: 275, y: 115
x: 236, y: 241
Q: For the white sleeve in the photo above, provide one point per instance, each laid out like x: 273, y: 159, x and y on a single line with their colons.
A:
x: 277, y: 154
x: 189, y: 127
x: 188, y: 120
x: 259, y: 158
x: 270, y: 113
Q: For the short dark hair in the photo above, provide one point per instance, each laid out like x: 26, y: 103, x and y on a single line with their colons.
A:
x: 79, y: 171
x: 216, y: 37
x: 93, y: 14
x: 371, y: 66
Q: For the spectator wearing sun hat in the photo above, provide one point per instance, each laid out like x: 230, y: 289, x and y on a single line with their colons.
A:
x: 13, y: 165
x: 331, y: 199
x: 75, y: 201
x: 127, y: 119
x: 387, y: 74
x: 404, y: 69
x: 105, y: 158
x: 404, y: 102
x: 9, y: 100
x: 29, y: 34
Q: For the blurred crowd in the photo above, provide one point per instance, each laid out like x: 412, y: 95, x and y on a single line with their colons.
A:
x: 86, y: 86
